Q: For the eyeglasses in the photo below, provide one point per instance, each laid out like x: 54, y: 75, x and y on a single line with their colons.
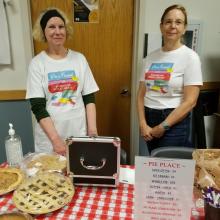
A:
x: 170, y: 22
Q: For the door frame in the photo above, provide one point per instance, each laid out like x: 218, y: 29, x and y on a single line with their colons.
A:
x: 138, y: 46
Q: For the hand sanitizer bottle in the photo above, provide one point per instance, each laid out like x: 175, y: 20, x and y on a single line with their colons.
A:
x: 13, y: 147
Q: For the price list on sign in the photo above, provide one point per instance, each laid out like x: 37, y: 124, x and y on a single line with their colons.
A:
x: 163, y: 188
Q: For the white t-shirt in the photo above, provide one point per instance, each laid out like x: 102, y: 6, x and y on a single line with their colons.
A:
x: 166, y: 73
x: 62, y: 82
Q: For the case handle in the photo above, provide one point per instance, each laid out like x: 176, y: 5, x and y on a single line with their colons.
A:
x: 92, y: 167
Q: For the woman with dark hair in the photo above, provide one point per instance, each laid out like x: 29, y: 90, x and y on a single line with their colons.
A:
x: 60, y: 86
x: 169, y: 85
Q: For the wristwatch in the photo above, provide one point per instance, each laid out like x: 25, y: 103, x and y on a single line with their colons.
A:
x: 165, y: 125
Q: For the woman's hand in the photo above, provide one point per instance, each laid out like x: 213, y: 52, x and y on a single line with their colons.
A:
x: 58, y: 143
x: 92, y: 132
x: 158, y: 131
x: 59, y: 146
x: 146, y: 132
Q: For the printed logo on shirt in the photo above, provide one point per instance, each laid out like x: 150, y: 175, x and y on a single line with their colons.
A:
x: 158, y: 77
x: 63, y: 85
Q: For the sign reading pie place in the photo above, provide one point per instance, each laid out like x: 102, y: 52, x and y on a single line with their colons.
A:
x: 163, y: 188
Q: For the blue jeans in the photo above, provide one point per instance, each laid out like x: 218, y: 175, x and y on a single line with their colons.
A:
x: 177, y: 135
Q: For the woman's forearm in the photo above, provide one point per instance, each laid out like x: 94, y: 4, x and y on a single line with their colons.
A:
x: 91, y: 119
x: 47, y: 125
x: 189, y: 101
x: 140, y: 103
x: 191, y: 94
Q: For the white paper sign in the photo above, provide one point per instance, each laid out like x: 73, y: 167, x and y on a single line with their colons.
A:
x: 126, y: 175
x: 163, y: 188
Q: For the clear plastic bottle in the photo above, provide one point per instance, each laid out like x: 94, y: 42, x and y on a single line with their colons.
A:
x: 13, y: 147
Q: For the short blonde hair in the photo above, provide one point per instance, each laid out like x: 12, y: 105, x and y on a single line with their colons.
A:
x: 38, y: 33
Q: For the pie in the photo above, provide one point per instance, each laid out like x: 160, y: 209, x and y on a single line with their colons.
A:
x: 206, y: 154
x: 207, y: 172
x: 10, y: 178
x: 15, y: 216
x: 40, y: 162
x: 43, y: 193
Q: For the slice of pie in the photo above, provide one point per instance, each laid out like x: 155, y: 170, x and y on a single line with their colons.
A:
x: 43, y: 193
x: 10, y: 178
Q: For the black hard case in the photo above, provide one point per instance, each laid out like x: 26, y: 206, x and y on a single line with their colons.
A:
x: 94, y: 160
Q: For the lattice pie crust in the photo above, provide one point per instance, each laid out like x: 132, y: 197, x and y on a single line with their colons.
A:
x: 43, y: 193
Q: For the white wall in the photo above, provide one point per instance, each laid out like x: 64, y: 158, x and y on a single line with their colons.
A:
x: 13, y: 76
x: 207, y: 12
x: 147, y: 15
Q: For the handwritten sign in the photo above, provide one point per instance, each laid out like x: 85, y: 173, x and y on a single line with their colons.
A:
x: 163, y: 188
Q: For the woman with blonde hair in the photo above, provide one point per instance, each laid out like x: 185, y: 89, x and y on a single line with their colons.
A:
x: 60, y: 86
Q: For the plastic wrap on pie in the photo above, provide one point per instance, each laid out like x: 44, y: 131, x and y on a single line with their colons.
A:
x: 10, y: 178
x: 35, y: 163
x: 207, y: 167
x: 43, y: 193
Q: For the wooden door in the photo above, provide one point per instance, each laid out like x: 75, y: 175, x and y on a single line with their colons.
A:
x: 107, y: 46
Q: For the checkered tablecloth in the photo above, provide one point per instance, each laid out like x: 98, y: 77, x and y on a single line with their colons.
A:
x: 96, y: 203
x: 89, y: 203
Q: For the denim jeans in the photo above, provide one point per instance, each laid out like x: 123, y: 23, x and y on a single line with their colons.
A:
x: 177, y: 135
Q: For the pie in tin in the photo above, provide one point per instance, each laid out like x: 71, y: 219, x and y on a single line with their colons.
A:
x: 10, y: 178
x: 43, y: 193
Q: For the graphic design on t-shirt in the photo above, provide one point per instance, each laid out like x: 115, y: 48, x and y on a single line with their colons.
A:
x: 63, y: 85
x: 158, y: 77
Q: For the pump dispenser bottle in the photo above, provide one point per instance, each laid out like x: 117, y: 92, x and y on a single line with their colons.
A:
x: 13, y: 147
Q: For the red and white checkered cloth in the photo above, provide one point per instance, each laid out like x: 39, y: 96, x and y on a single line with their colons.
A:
x: 88, y: 203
